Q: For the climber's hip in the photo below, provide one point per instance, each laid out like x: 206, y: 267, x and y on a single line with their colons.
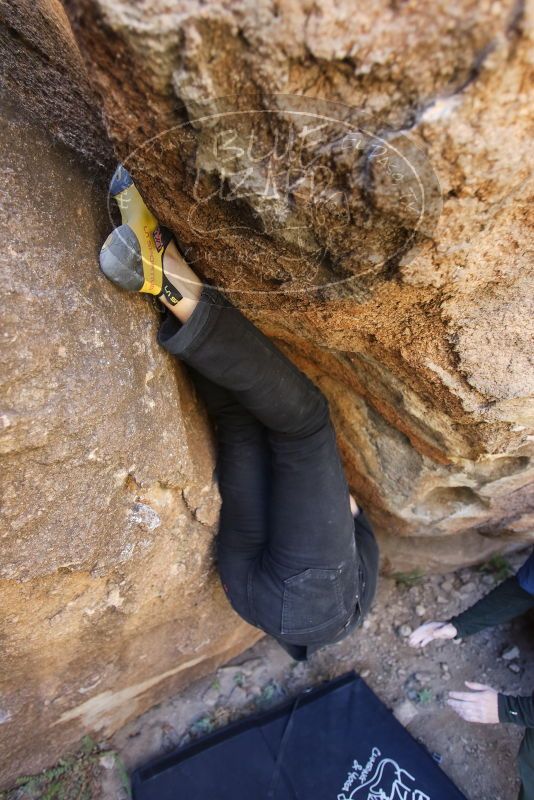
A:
x: 301, y: 606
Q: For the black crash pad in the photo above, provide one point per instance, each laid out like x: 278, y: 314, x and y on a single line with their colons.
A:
x: 335, y: 742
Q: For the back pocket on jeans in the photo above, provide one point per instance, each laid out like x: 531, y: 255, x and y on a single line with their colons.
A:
x: 312, y: 600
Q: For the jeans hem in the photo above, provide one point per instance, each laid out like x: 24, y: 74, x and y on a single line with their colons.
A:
x: 179, y: 338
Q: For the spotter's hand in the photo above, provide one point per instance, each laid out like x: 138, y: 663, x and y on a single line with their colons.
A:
x: 479, y: 705
x: 431, y: 630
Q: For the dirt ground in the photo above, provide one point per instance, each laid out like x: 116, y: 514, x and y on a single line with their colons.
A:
x: 480, y: 759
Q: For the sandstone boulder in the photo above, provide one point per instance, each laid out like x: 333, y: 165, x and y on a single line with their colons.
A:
x: 109, y: 594
x: 255, y: 131
x: 357, y: 180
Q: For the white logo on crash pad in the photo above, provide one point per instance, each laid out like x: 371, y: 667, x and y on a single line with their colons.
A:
x: 380, y: 779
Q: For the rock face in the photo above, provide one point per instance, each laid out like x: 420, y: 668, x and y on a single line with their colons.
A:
x: 357, y: 181
x: 414, y: 317
x: 109, y: 595
x: 43, y: 70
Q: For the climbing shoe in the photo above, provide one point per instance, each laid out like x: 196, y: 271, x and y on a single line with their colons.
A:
x: 132, y: 255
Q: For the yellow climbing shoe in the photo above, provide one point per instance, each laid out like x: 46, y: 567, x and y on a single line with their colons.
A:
x: 132, y: 255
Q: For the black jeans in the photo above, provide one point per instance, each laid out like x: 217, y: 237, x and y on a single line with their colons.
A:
x: 291, y: 560
x: 526, y: 766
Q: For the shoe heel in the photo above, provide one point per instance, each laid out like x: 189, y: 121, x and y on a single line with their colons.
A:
x: 120, y: 259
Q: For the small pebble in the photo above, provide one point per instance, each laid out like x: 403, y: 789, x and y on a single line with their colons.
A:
x: 447, y: 586
x: 405, y: 631
x: 107, y: 761
x: 468, y: 587
x: 405, y: 712
x: 511, y: 655
x: 238, y: 695
x: 420, y: 611
x: 211, y: 696
x: 252, y: 665
x: 514, y: 667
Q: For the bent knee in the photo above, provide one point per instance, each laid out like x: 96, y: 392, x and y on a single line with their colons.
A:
x: 317, y: 416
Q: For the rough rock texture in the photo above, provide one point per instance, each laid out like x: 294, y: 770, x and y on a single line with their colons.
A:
x: 420, y: 336
x: 42, y: 69
x: 109, y: 596
x: 375, y: 225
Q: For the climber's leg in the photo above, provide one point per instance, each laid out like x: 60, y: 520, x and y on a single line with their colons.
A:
x: 243, y: 475
x: 311, y: 524
x: 312, y: 520
x: 312, y: 533
x: 222, y: 344
x: 311, y: 536
x: 216, y: 398
x: 370, y: 557
x: 307, y: 586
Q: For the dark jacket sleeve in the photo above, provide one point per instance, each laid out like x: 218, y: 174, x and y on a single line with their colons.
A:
x: 506, y: 601
x: 519, y: 710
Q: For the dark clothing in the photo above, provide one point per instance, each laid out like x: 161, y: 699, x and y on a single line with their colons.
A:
x: 518, y: 710
x: 502, y: 604
x: 507, y: 601
x: 526, y: 766
x: 369, y: 553
x: 291, y: 558
x: 525, y: 576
